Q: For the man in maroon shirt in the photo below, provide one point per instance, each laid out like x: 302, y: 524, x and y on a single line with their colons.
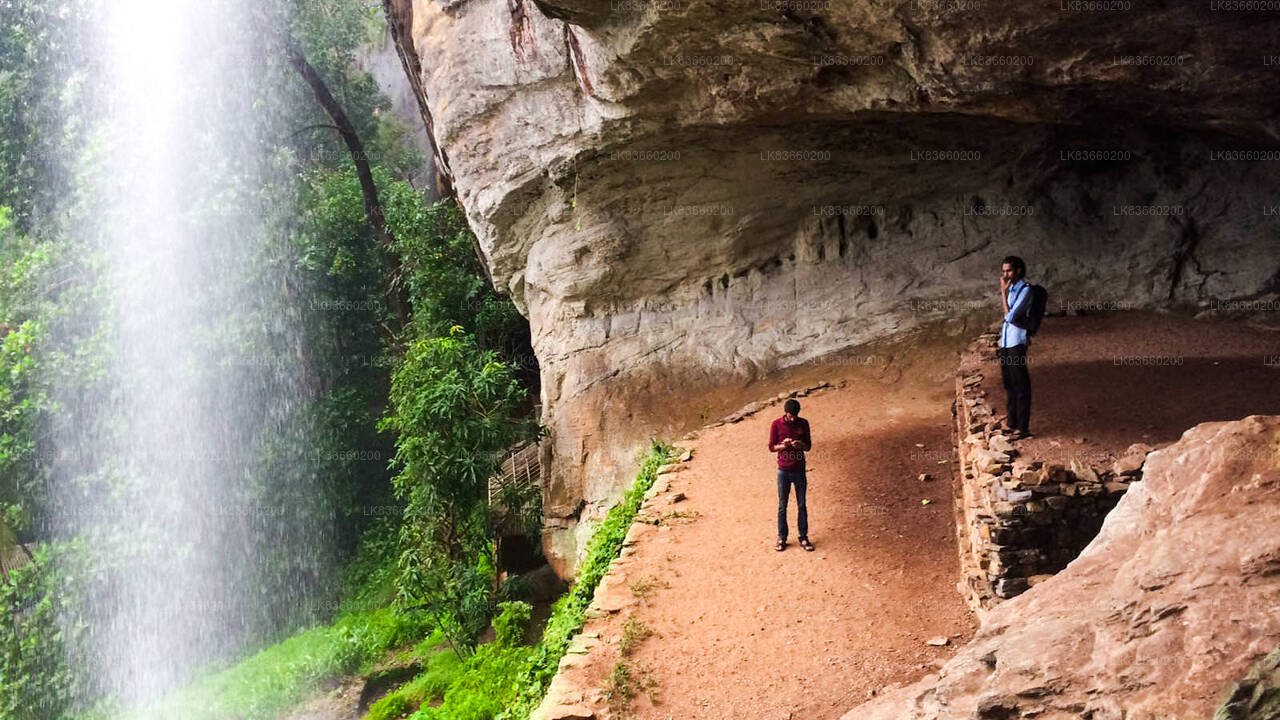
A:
x: 789, y: 438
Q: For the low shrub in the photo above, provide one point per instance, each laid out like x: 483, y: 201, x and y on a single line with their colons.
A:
x: 570, y: 610
x: 507, y: 681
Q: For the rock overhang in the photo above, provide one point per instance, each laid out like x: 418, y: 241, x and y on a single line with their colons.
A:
x: 684, y: 195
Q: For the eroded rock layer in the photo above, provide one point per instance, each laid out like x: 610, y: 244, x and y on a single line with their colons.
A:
x: 685, y: 196
x: 1156, y: 618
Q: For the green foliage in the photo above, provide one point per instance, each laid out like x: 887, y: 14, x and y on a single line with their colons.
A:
x: 1257, y: 695
x: 474, y: 690
x: 369, y: 579
x: 506, y: 681
x: 311, y: 251
x: 570, y: 610
x: 489, y: 680
x: 43, y: 86
x: 444, y: 275
x: 35, y: 647
x: 509, y: 625
x: 395, y: 705
x: 622, y: 684
x: 38, y: 298
x: 634, y: 632
x: 282, y: 675
x: 442, y: 669
x: 454, y: 413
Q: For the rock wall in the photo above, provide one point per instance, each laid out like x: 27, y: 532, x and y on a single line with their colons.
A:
x: 1158, y: 617
x: 1019, y: 520
x: 380, y: 60
x: 684, y: 197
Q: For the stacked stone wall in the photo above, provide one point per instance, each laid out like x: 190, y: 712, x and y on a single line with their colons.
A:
x: 1019, y: 520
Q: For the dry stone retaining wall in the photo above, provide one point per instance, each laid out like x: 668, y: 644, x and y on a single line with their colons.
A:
x: 1019, y: 520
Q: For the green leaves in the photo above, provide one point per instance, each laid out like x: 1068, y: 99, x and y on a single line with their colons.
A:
x: 455, y: 412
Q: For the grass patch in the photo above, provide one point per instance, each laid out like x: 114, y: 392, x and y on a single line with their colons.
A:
x: 634, y: 632
x: 280, y: 676
x: 283, y: 675
x: 443, y: 668
x: 624, y: 683
x: 643, y: 587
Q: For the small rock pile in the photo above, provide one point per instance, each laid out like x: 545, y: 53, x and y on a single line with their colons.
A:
x: 1019, y: 521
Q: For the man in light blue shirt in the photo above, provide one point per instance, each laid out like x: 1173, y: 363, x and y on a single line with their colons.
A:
x: 1015, y: 296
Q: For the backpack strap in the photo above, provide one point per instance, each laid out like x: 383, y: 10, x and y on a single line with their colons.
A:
x: 1013, y: 307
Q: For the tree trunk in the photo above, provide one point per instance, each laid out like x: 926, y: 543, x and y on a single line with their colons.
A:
x: 372, y: 205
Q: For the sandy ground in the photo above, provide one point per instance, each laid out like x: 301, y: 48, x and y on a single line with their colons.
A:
x: 1101, y: 382
x: 743, y: 631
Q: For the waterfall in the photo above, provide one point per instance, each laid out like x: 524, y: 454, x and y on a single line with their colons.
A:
x: 172, y: 477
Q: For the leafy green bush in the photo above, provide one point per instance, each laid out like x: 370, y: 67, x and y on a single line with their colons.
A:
x: 395, y: 705
x: 454, y: 413
x: 491, y: 671
x: 570, y: 610
x: 506, y: 681
x: 45, y: 674
x: 490, y: 678
x: 513, y: 618
x: 444, y: 276
x: 443, y: 668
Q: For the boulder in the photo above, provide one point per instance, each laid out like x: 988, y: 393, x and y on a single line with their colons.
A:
x: 1160, y: 616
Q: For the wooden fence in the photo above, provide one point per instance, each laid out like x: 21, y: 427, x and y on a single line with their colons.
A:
x: 520, y: 475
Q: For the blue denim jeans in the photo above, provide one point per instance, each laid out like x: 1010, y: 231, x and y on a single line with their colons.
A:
x: 787, y: 478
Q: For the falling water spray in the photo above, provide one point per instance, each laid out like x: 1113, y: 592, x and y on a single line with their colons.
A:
x: 199, y: 547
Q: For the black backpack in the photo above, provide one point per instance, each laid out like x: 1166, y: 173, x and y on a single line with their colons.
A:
x: 1033, y: 312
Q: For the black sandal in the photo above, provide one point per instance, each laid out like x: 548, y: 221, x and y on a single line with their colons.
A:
x: 804, y: 543
x: 782, y: 545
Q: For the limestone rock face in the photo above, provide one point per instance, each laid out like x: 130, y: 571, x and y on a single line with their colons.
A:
x: 1170, y: 604
x: 684, y: 196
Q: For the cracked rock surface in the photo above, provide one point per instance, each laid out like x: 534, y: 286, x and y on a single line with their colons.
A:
x: 684, y: 197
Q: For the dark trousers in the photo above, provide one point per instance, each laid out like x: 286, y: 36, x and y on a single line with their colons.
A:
x: 787, y: 478
x: 1017, y: 386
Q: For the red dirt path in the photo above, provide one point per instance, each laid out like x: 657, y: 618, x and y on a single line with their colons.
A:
x: 743, y: 631
x: 1101, y: 382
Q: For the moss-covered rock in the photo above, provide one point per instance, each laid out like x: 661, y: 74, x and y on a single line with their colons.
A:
x: 1257, y: 696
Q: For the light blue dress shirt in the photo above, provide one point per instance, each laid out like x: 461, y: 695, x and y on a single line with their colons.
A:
x: 1011, y: 335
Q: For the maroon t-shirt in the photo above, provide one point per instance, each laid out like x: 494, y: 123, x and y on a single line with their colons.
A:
x: 797, y: 430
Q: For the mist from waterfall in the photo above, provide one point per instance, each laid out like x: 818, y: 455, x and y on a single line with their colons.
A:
x: 180, y: 478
